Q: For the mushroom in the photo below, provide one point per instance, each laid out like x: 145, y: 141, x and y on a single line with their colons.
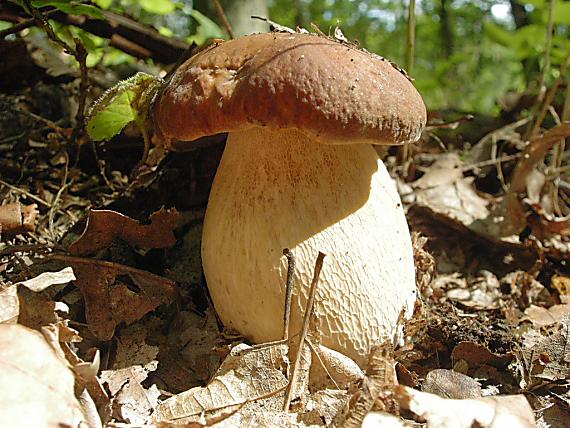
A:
x: 298, y: 171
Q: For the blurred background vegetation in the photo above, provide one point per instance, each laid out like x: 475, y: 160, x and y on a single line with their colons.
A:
x: 470, y: 56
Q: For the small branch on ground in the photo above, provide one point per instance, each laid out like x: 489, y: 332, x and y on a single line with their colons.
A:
x: 288, y: 291
x: 304, y: 331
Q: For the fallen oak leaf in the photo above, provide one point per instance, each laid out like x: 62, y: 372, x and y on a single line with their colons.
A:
x: 105, y: 226
x: 109, y: 300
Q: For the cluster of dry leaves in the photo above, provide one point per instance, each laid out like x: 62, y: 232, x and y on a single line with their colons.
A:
x: 105, y: 321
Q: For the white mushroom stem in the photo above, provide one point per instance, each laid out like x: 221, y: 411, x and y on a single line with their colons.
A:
x: 281, y: 189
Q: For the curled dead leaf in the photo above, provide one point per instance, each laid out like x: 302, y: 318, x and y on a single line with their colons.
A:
x: 104, y: 226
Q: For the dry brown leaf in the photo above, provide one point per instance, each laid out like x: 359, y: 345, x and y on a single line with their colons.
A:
x: 477, y: 355
x: 480, y: 293
x: 104, y: 226
x: 131, y: 402
x: 331, y: 369
x: 36, y: 386
x: 9, y: 304
x: 323, y: 406
x: 47, y: 279
x: 462, y: 245
x: 562, y: 284
x: 134, y: 360
x: 544, y: 317
x: 546, y: 357
x: 109, y: 297
x: 17, y: 218
x: 36, y: 309
x: 444, y: 189
x: 376, y: 389
x: 451, y: 384
x: 511, y: 411
x: 249, y: 379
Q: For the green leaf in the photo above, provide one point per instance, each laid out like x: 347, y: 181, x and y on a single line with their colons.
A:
x: 561, y: 13
x: 70, y: 7
x: 158, y: 7
x: 127, y: 101
x: 206, y: 29
x: 104, y: 4
x: 499, y: 34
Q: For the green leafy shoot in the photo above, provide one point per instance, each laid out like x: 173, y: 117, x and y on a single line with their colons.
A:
x: 127, y: 101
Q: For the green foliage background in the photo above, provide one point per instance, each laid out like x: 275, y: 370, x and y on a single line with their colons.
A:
x: 468, y: 68
x: 466, y: 57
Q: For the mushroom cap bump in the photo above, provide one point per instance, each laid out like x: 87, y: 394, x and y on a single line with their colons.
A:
x: 332, y: 91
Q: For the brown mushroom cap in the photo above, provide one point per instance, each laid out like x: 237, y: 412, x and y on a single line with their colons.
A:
x: 333, y: 91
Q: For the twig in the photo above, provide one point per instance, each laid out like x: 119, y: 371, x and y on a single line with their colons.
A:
x: 548, y: 47
x: 26, y: 193
x: 24, y: 24
x: 410, y: 46
x: 55, y: 202
x: 224, y: 18
x: 490, y: 162
x: 533, y: 130
x: 81, y: 57
x: 288, y: 291
x: 550, y: 97
x: 304, y: 330
x: 25, y: 248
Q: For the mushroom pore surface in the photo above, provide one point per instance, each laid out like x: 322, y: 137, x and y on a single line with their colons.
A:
x: 280, y: 188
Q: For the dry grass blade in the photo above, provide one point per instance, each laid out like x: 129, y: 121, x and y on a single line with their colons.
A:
x: 304, y: 330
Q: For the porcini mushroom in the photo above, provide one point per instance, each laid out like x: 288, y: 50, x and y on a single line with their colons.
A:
x: 299, y: 171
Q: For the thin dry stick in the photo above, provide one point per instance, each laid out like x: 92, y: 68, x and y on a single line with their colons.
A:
x: 550, y: 96
x: 304, y: 330
x: 533, y: 130
x: 559, y: 152
x: 548, y: 47
x: 288, y: 291
x: 55, y: 203
x: 224, y: 18
x: 24, y: 24
x: 410, y: 47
